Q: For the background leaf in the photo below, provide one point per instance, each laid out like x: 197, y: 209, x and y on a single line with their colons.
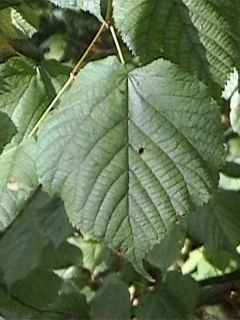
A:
x: 18, y: 179
x: 176, y: 299
x: 92, y: 6
x: 191, y: 33
x: 30, y: 89
x: 217, y: 225
x: 41, y: 223
x: 107, y: 305
x: 7, y: 131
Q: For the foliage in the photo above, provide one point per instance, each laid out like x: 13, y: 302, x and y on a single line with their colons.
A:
x: 116, y: 198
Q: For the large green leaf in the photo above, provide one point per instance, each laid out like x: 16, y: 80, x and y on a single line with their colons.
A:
x: 92, y: 6
x: 175, y: 299
x: 18, y: 179
x: 7, y: 131
x: 189, y: 32
x: 42, y: 222
x: 130, y: 150
x: 30, y: 89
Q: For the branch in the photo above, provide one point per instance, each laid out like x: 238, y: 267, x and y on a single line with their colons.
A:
x: 214, y: 289
x: 71, y: 78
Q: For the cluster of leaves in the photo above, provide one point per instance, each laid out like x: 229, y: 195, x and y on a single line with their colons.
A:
x: 110, y: 201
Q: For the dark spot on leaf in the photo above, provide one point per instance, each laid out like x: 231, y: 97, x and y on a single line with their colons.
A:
x: 141, y: 150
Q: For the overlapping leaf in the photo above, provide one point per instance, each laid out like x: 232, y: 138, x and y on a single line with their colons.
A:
x: 42, y: 222
x: 176, y: 299
x: 189, y: 32
x: 130, y: 150
x: 18, y: 179
x: 92, y: 6
x: 7, y: 130
x: 217, y: 225
x: 106, y: 304
x: 30, y: 89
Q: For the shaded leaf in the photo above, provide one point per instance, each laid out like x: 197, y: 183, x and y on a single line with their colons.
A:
x: 30, y: 90
x: 42, y: 222
x: 169, y: 250
x: 18, y: 179
x: 12, y: 308
x: 109, y: 305
x: 176, y: 299
x: 7, y: 131
x: 33, y: 290
x: 217, y: 225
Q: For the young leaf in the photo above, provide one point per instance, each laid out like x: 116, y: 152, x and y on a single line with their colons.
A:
x: 189, y: 32
x: 92, y: 6
x: 30, y: 89
x: 127, y: 151
x: 18, y: 179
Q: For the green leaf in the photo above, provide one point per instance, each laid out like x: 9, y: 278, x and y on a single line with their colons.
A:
x: 189, y: 32
x: 8, y: 130
x: 92, y: 6
x: 127, y: 151
x: 12, y: 308
x: 18, y: 179
x: 169, y: 250
x: 176, y: 299
x: 30, y: 89
x: 41, y: 223
x: 109, y: 305
x: 8, y: 3
x: 231, y: 169
x: 64, y: 256
x: 33, y: 290
x: 217, y: 224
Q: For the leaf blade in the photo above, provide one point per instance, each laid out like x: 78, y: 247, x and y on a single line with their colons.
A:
x: 92, y: 145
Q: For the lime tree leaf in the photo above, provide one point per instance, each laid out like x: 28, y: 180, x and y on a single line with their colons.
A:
x: 92, y: 6
x: 127, y: 151
x: 41, y: 223
x: 176, y: 299
x: 189, y: 32
x: 30, y: 89
x: 7, y: 131
x: 217, y: 225
x: 18, y: 179
x: 107, y: 305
